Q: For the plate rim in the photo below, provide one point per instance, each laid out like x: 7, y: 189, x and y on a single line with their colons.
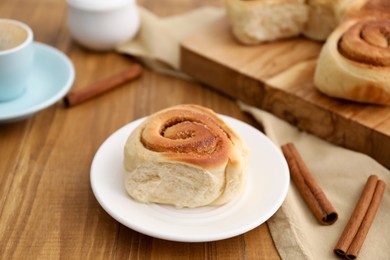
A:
x: 181, y: 238
x: 61, y: 57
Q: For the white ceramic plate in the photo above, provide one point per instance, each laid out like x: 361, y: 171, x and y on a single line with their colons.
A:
x: 51, y: 78
x: 266, y: 188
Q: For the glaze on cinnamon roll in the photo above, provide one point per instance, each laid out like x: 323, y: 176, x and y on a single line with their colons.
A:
x: 184, y: 156
x: 354, y: 63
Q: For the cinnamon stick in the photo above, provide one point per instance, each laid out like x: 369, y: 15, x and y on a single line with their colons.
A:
x: 98, y: 88
x: 308, y: 187
x: 355, y: 232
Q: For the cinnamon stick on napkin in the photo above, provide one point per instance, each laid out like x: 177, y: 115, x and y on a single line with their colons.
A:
x: 355, y: 232
x: 308, y: 187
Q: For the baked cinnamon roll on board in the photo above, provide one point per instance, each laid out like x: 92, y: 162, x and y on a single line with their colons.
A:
x: 257, y: 21
x: 354, y: 63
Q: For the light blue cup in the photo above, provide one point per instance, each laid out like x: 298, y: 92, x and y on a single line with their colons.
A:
x: 16, y: 58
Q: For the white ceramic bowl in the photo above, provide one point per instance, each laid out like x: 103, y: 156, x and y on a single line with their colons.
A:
x: 102, y: 24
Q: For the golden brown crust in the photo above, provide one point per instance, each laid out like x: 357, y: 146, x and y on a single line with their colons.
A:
x: 370, y: 92
x: 189, y: 133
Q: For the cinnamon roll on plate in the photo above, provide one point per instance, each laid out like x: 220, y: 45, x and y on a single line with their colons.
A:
x: 184, y: 156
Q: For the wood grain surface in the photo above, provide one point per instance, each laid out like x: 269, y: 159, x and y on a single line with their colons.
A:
x: 47, y: 208
x: 278, y: 77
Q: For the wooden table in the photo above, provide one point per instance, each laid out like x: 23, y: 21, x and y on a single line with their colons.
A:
x: 47, y: 208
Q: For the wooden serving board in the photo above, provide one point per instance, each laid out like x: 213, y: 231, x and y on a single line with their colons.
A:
x: 278, y: 77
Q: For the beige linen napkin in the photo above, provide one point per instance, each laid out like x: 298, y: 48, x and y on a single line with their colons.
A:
x: 341, y: 173
x: 157, y: 42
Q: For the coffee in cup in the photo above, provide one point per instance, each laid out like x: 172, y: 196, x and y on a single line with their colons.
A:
x: 16, y: 58
x: 11, y: 35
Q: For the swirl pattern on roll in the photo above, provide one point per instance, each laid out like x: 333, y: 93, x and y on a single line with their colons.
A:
x: 354, y: 63
x: 367, y: 42
x: 189, y: 136
x: 184, y: 156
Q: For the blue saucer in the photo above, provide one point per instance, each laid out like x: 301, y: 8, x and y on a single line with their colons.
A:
x: 52, y: 77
